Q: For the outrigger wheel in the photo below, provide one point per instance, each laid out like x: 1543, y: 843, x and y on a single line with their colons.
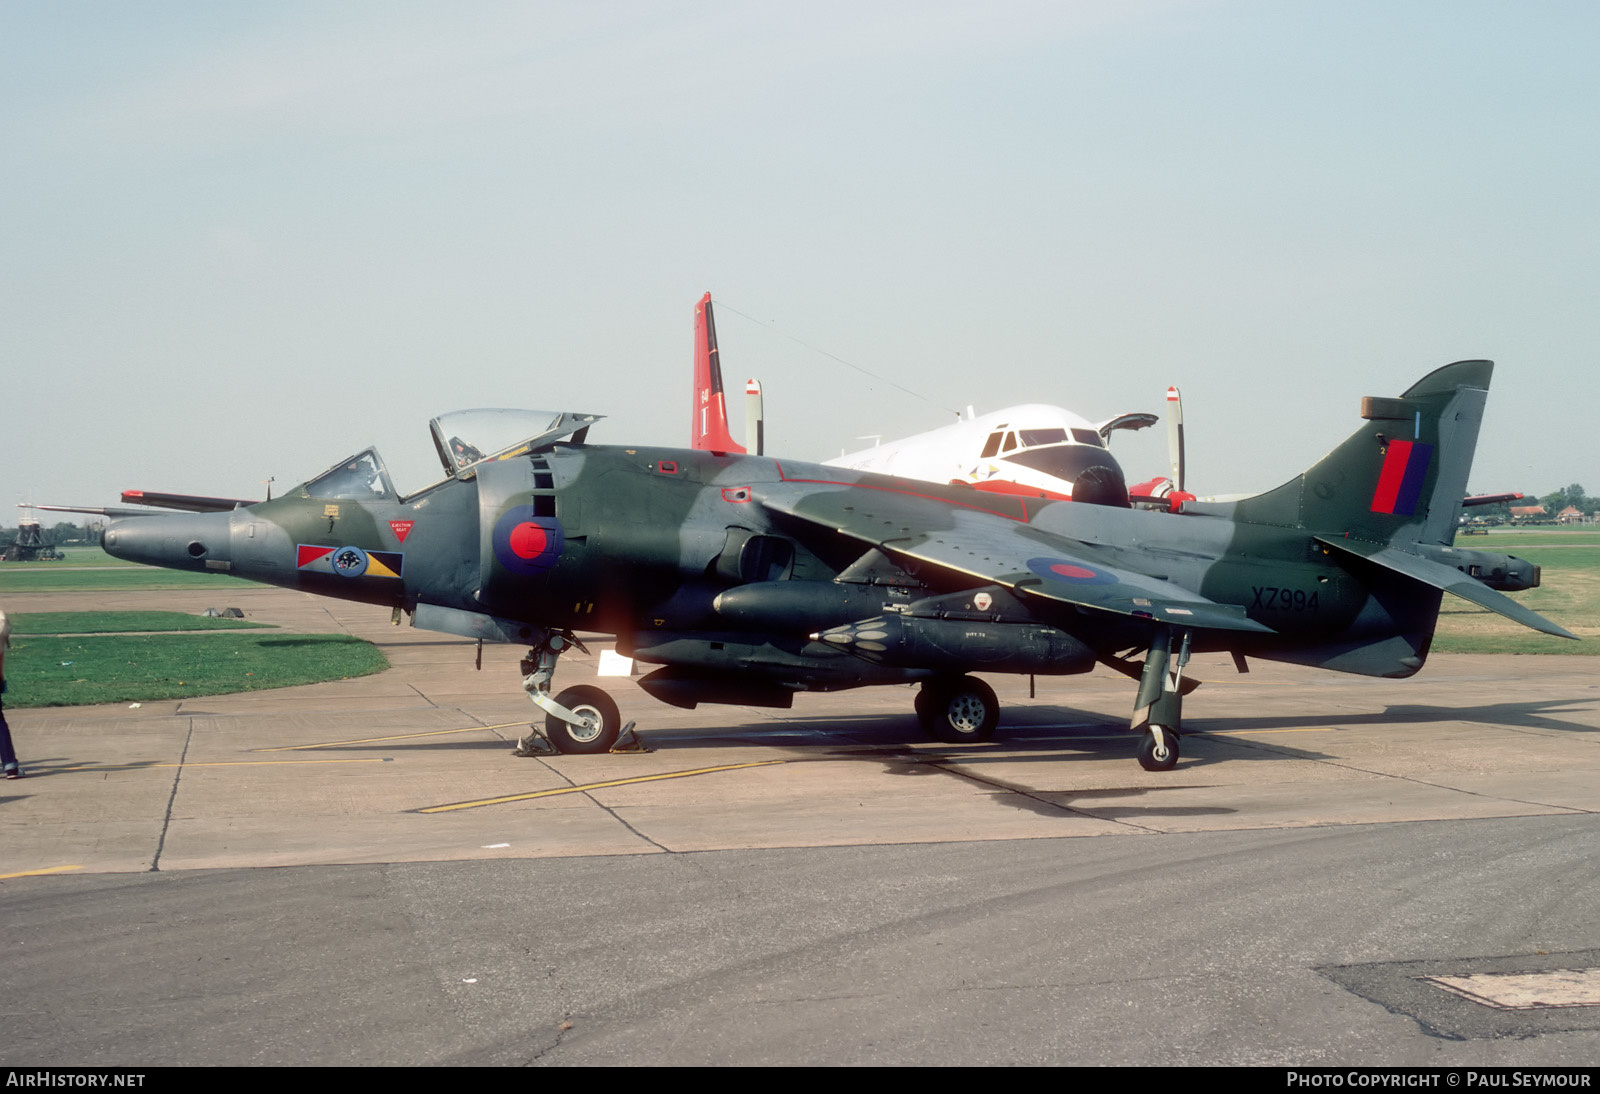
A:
x: 1159, y: 706
x: 958, y: 710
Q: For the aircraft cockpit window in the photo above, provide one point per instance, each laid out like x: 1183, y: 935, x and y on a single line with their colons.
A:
x: 1066, y: 461
x: 360, y: 478
x: 1011, y: 442
x: 1088, y: 436
x: 1033, y: 438
x: 466, y: 438
x: 991, y: 446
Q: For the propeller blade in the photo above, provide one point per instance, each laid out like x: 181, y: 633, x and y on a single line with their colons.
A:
x: 1175, y: 436
x: 755, y: 423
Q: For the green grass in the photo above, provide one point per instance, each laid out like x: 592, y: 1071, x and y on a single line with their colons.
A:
x: 1531, y: 537
x: 90, y: 556
x: 120, y: 622
x: 90, y: 569
x: 1568, y: 594
x: 54, y: 577
x: 47, y: 671
x: 78, y: 556
x: 1450, y: 640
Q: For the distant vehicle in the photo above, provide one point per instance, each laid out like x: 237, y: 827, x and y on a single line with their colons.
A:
x: 30, y: 545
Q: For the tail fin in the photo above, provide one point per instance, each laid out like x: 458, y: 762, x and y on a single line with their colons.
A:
x: 708, y: 426
x: 1392, y: 493
x: 1401, y: 477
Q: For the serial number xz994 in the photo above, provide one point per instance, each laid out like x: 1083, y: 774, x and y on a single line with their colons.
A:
x: 1273, y: 599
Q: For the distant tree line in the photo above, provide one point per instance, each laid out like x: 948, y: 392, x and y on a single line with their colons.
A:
x: 1572, y: 495
x: 1553, y: 503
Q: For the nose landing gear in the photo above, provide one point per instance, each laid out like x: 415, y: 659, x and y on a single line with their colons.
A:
x: 580, y: 720
x: 597, y: 724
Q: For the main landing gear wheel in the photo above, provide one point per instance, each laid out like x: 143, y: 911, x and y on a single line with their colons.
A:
x: 598, y: 730
x: 955, y: 711
x: 1159, y: 749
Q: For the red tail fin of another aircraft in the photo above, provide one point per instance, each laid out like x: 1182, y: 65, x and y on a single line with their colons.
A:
x: 708, y: 426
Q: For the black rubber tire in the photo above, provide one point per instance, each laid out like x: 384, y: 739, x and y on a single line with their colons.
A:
x: 602, y: 730
x: 958, y: 711
x: 1147, y: 751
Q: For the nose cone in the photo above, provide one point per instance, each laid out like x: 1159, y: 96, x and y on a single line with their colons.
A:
x: 181, y: 541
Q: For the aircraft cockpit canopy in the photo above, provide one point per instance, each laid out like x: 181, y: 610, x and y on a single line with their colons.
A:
x: 362, y: 477
x: 465, y: 438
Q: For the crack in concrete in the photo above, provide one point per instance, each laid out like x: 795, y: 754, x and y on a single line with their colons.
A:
x: 166, y: 820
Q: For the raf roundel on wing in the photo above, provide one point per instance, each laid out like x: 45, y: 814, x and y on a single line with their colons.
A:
x: 1073, y: 573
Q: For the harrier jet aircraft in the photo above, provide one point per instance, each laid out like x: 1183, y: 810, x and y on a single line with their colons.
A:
x: 748, y: 580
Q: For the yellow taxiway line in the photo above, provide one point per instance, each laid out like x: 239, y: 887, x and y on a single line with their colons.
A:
x: 39, y: 873
x: 594, y: 786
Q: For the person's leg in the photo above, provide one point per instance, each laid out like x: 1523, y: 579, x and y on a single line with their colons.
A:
x: 8, y: 753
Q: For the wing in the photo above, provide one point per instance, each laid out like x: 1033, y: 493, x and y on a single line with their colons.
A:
x: 192, y: 503
x: 189, y: 503
x: 994, y: 545
x: 115, y: 512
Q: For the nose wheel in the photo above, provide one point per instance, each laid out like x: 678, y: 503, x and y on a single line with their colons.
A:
x: 597, y: 724
x: 581, y: 720
x: 1159, y: 749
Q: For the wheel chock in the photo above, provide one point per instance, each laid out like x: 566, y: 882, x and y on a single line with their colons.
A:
x: 534, y: 744
x: 628, y: 741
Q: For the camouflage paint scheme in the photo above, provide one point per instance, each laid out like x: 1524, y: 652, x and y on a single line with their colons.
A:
x: 747, y: 579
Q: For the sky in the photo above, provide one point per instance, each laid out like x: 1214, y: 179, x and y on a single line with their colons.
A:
x: 242, y: 241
